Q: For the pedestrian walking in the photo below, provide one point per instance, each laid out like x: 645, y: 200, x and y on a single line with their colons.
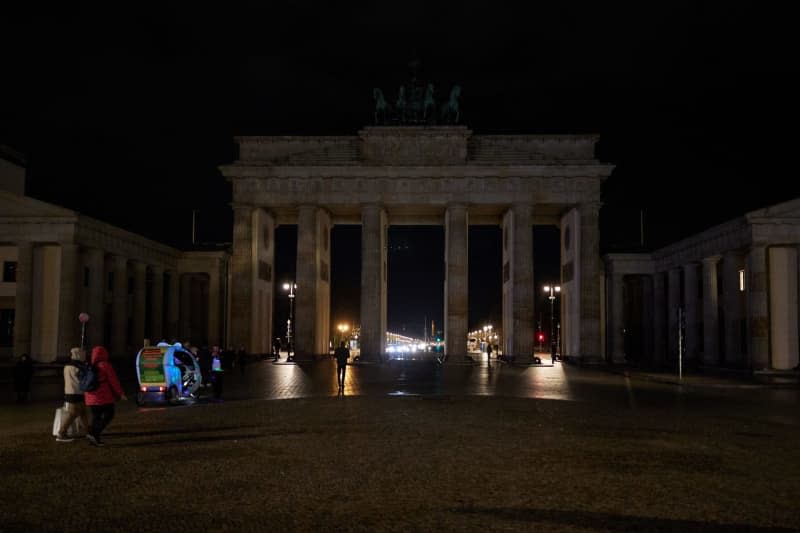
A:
x: 23, y: 374
x: 276, y: 348
x: 342, y: 354
x: 74, y: 401
x: 217, y: 374
x: 204, y: 359
x: 228, y: 358
x: 489, y: 352
x: 101, y: 400
x: 241, y: 358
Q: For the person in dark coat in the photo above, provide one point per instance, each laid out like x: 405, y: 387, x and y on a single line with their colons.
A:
x: 204, y: 359
x: 228, y: 358
x: 342, y: 354
x: 241, y: 358
x: 276, y: 348
x: 23, y: 374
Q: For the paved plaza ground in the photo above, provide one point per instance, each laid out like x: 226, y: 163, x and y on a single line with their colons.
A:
x: 417, y: 447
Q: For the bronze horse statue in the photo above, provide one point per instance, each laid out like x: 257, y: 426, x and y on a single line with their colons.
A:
x: 450, y: 112
x: 400, y: 105
x: 428, y: 102
x: 381, y: 107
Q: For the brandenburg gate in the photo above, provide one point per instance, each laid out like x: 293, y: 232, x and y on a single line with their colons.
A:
x: 431, y: 175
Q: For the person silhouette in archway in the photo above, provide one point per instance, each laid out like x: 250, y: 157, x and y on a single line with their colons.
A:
x: 342, y: 354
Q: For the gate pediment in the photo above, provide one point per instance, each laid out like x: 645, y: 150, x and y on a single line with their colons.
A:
x: 785, y: 210
x: 13, y: 206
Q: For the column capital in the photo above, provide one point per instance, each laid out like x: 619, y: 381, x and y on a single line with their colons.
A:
x: 372, y: 206
x: 590, y: 207
x: 94, y: 251
x: 733, y: 253
x: 307, y: 207
x: 691, y: 265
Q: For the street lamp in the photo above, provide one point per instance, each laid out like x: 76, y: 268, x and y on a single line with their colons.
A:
x: 552, y: 289
x: 343, y: 329
x: 290, y: 287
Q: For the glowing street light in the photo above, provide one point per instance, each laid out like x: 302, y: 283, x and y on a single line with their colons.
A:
x: 343, y: 329
x: 290, y: 287
x: 552, y: 289
x: 487, y: 333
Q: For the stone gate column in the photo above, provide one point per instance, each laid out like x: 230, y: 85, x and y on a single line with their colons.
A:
x: 119, y: 307
x: 659, y: 318
x: 732, y: 308
x: 690, y: 299
x: 312, y: 301
x: 263, y: 248
x: 673, y: 305
x: 710, y: 312
x: 616, y: 314
x: 456, y: 281
x: 157, y: 305
x: 242, y: 278
x: 139, y: 299
x: 784, y: 309
x: 69, y: 328
x: 648, y: 313
x: 590, y: 280
x: 374, y: 229
x: 185, y: 330
x: 173, y: 306
x: 23, y: 299
x: 518, y: 283
x: 214, y: 309
x: 757, y: 308
x: 95, y: 329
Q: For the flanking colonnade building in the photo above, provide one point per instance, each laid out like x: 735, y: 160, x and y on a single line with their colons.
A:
x: 725, y: 297
x: 58, y: 263
x: 416, y: 175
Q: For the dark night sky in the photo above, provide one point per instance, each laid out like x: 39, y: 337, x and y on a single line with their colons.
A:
x: 126, y: 111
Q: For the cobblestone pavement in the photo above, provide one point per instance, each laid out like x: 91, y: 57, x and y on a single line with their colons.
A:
x: 417, y: 447
x: 264, y: 379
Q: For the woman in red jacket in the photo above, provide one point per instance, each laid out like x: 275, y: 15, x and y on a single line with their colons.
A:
x: 101, y: 400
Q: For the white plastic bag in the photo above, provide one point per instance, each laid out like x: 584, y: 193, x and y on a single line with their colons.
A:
x: 74, y: 429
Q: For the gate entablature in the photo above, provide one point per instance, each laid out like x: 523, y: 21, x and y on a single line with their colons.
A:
x: 415, y: 146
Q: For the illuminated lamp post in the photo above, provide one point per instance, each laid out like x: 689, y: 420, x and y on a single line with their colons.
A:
x: 552, y: 290
x: 290, y: 347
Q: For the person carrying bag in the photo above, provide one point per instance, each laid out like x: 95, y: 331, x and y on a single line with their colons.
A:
x: 71, y: 420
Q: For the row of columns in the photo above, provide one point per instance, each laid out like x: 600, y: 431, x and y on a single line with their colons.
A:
x: 735, y: 324
x: 312, y: 320
x: 73, y: 298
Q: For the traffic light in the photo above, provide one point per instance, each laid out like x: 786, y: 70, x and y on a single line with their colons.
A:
x: 541, y: 337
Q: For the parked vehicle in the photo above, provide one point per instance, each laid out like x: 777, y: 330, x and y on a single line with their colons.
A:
x: 166, y: 372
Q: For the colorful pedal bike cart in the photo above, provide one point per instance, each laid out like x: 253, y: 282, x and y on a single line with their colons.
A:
x: 166, y: 373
